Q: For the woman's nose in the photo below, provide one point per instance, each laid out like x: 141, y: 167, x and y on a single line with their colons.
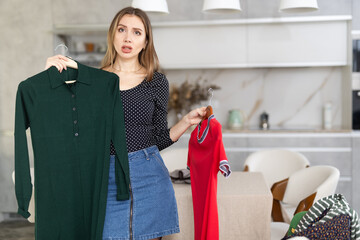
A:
x: 127, y: 38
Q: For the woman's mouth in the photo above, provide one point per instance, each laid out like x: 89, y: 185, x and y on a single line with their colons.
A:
x: 126, y: 49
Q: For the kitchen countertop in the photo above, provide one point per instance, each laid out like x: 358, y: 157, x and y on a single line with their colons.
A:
x: 286, y: 130
x: 227, y: 131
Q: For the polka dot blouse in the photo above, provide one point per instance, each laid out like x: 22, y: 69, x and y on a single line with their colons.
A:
x: 145, y: 113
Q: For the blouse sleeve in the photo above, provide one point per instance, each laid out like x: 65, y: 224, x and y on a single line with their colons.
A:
x: 161, y: 131
x: 119, y: 141
x: 23, y: 186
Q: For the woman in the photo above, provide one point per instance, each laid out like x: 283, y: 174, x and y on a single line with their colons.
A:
x: 151, y: 211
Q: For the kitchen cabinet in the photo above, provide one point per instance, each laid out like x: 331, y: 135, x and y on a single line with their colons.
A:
x: 201, y: 45
x: 318, y: 43
x: 338, y: 149
x: 284, y: 42
x: 239, y: 43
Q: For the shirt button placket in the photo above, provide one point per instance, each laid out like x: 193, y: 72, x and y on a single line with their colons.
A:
x: 74, y: 113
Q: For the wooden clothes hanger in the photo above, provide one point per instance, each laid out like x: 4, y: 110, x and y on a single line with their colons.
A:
x: 209, y: 109
x: 209, y: 112
x: 70, y: 63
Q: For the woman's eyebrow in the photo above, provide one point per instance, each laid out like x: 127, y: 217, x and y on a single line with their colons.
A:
x: 139, y: 29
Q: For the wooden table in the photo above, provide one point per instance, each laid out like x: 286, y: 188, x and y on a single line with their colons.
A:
x: 244, y: 207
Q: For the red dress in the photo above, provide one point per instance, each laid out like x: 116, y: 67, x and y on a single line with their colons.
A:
x: 206, y: 157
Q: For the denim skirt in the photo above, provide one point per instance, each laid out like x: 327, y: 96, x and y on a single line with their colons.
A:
x: 151, y: 211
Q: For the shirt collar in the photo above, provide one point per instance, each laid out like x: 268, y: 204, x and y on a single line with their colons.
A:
x: 205, y: 132
x: 57, y: 79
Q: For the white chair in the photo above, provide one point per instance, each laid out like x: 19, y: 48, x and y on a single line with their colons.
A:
x: 301, y: 190
x: 278, y: 230
x: 31, y: 209
x: 298, y: 238
x: 275, y: 164
x: 175, y: 158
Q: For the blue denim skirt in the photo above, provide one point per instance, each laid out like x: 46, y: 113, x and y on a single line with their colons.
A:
x: 151, y: 211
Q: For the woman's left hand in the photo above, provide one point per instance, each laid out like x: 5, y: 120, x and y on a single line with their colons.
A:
x: 195, y: 116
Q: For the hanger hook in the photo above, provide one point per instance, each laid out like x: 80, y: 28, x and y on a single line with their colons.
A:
x: 63, y: 49
x: 211, y: 91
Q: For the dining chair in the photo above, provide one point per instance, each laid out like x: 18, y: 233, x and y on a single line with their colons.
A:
x: 31, y: 209
x: 275, y: 164
x: 175, y: 158
x: 304, y: 187
x: 278, y: 230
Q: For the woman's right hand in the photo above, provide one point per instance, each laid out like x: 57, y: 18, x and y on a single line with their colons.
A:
x: 58, y: 61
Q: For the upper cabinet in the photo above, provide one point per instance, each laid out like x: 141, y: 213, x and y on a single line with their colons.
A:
x: 280, y: 42
x: 201, y: 45
x: 317, y: 43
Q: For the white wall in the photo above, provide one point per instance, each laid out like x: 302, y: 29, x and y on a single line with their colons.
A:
x: 25, y: 43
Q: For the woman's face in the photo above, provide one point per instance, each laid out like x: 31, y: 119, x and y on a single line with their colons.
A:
x: 130, y: 37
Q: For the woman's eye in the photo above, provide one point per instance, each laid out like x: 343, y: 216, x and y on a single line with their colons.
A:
x: 137, y: 33
x: 121, y: 30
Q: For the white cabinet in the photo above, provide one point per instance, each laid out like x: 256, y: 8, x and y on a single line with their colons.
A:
x: 240, y: 43
x: 282, y: 42
x: 321, y: 43
x: 201, y: 45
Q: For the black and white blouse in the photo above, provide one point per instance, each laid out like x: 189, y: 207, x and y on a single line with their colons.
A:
x: 145, y: 113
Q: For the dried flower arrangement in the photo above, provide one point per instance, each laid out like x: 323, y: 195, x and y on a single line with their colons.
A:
x: 183, y: 97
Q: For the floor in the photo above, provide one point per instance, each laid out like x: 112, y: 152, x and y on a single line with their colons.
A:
x: 17, y: 230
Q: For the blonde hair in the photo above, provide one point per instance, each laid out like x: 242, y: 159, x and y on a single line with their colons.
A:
x: 147, y: 57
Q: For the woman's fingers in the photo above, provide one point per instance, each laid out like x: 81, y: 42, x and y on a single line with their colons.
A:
x: 196, y: 115
x: 58, y: 61
x: 62, y: 57
x: 63, y: 63
x: 202, y: 111
x: 59, y: 66
x: 50, y: 63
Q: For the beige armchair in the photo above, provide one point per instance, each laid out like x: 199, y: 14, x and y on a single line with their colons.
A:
x: 275, y: 164
x: 301, y: 190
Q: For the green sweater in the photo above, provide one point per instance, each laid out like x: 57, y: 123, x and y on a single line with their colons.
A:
x: 71, y: 128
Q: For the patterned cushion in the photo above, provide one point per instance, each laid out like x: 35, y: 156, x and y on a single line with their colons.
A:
x: 338, y: 228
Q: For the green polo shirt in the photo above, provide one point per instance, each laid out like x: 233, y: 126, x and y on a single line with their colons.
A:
x: 71, y: 127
